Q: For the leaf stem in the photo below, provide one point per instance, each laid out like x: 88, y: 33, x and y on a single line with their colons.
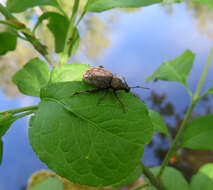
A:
x: 154, y: 180
x: 18, y: 110
x: 65, y: 55
x: 6, y: 13
x: 195, y: 99
x: 24, y: 114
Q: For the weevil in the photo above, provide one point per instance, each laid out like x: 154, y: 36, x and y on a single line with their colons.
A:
x: 103, y: 79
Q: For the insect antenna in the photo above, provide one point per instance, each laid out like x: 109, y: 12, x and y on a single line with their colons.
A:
x: 139, y: 87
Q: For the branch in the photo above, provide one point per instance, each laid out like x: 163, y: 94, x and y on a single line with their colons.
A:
x: 29, y: 36
x: 195, y: 99
x: 154, y: 180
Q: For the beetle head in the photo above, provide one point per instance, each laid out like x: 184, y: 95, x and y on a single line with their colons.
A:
x: 119, y: 84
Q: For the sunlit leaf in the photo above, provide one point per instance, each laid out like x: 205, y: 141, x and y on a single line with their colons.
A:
x: 34, y: 75
x: 17, y: 6
x: 51, y: 183
x: 175, y: 70
x: 198, y: 134
x: 7, y: 42
x: 68, y: 72
x: 158, y: 122
x: 102, y: 5
x: 203, y: 179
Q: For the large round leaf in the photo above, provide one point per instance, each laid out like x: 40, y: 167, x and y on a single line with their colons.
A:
x: 89, y: 144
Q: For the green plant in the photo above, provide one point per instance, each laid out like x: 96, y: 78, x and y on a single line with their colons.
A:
x: 97, y: 145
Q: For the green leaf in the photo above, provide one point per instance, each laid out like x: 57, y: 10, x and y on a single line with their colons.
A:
x: 68, y: 72
x: 171, y: 1
x: 158, y: 122
x: 58, y: 25
x: 203, y: 179
x: 175, y: 70
x: 8, y: 42
x: 17, y: 6
x: 1, y: 150
x: 32, y: 77
x: 210, y: 91
x: 131, y: 178
x: 208, y: 3
x: 172, y: 179
x: 102, y: 5
x: 89, y: 144
x: 198, y: 134
x: 51, y: 183
x: 5, y: 124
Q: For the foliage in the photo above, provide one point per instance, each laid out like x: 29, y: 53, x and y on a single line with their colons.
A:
x: 51, y: 183
x: 86, y: 143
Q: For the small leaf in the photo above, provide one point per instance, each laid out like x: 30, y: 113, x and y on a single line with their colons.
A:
x: 198, y: 134
x: 203, y: 179
x: 1, y: 150
x: 102, y: 5
x: 208, y: 3
x: 51, y: 183
x: 32, y: 77
x: 158, y: 122
x: 210, y: 91
x: 172, y: 179
x: 4, y: 127
x: 8, y: 42
x: 58, y: 25
x: 5, y: 124
x: 68, y: 72
x: 17, y: 6
x: 175, y: 70
x: 131, y: 178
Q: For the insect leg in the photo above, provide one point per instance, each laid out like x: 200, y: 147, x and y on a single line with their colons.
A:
x: 117, y: 97
x: 86, y: 91
x: 102, y: 97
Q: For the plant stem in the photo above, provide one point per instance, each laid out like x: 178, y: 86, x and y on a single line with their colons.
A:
x: 30, y: 38
x: 65, y: 54
x: 173, y: 147
x: 18, y: 110
x: 140, y: 186
x: 6, y: 13
x: 174, y: 144
x: 24, y: 114
x: 154, y: 180
x: 205, y: 71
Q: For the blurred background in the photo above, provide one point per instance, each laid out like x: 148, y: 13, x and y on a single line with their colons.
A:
x: 130, y: 43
